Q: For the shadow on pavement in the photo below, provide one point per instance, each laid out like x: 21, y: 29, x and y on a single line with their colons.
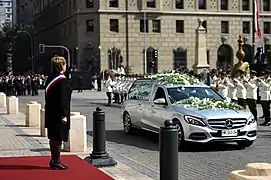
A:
x: 139, y: 140
x: 103, y: 104
x: 28, y: 135
x: 40, y: 150
x: 16, y: 125
x: 263, y: 131
x: 150, y: 141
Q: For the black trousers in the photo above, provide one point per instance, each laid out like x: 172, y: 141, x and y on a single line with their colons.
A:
x: 252, y: 105
x: 116, y: 97
x: 55, y: 148
x: 234, y: 101
x: 242, y: 102
x: 266, y: 110
x: 109, y: 97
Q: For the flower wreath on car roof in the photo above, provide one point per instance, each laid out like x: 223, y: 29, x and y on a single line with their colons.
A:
x: 200, y: 104
x: 176, y: 78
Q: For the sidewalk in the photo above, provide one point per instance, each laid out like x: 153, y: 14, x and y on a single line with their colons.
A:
x: 18, y: 140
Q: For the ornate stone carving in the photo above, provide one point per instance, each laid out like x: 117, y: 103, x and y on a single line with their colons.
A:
x: 191, y: 4
x: 132, y: 3
x: 166, y: 3
x: 213, y: 4
x: 235, y: 4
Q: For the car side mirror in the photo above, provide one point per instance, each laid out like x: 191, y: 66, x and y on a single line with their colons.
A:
x: 160, y: 101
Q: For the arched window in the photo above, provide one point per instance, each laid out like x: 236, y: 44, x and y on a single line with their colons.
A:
x: 248, y: 53
x: 224, y: 57
x: 180, y: 58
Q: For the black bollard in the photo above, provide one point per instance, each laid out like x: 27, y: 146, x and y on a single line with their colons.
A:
x: 168, y: 145
x: 99, y: 156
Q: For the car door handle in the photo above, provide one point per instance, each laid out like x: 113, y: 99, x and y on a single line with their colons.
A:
x: 139, y: 104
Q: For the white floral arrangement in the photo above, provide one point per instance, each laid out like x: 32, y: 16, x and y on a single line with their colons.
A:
x: 205, y: 103
x: 176, y: 78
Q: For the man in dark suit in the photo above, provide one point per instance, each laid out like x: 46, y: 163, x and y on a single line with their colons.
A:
x: 57, y: 110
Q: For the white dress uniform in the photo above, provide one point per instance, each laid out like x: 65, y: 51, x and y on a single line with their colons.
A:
x: 264, y: 93
x: 109, y: 83
x: 251, y: 87
x: 241, y: 92
x: 264, y: 90
x: 232, y: 91
x: 223, y: 87
x: 121, y: 71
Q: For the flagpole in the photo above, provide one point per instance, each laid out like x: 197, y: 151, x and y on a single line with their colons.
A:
x: 262, y: 24
x: 253, y: 31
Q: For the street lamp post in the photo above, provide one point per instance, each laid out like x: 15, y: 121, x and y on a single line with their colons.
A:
x: 31, y: 46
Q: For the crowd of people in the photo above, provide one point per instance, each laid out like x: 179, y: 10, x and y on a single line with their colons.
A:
x: 21, y: 85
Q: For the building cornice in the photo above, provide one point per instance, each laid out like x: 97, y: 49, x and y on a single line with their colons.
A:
x: 195, y: 13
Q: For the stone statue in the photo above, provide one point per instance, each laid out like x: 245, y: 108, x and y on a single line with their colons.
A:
x: 240, y: 54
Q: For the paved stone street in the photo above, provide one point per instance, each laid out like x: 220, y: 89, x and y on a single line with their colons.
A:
x: 212, y: 162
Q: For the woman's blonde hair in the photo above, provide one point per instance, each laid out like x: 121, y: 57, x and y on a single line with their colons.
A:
x: 57, y: 63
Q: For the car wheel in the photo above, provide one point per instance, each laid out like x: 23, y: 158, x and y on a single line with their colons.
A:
x: 127, y: 123
x: 181, y: 141
x: 244, y: 144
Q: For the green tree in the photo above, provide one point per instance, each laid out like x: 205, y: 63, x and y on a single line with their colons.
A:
x: 16, y: 41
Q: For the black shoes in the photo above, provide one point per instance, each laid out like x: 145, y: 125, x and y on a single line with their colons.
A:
x: 57, y: 166
x: 266, y: 124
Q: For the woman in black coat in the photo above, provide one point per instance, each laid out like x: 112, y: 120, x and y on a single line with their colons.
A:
x: 57, y: 110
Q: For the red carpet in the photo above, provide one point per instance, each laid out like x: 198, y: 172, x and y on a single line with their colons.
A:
x: 36, y: 168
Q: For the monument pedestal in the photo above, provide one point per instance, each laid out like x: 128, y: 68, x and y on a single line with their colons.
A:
x: 201, y: 64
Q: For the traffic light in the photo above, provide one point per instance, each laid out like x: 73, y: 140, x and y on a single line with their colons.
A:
x: 155, y: 53
x: 152, y: 64
x: 41, y: 48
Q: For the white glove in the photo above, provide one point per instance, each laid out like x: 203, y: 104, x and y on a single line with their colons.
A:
x: 64, y: 120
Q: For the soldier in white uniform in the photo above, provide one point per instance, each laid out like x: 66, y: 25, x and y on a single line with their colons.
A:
x: 116, y: 88
x: 264, y: 93
x: 241, y: 90
x: 232, y: 91
x: 251, y: 86
x: 223, y: 85
x: 109, y: 83
x: 122, y: 88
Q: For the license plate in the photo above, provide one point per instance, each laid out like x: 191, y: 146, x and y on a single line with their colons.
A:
x: 227, y: 133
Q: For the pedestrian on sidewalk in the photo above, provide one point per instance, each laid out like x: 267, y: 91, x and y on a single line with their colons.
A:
x: 57, y: 110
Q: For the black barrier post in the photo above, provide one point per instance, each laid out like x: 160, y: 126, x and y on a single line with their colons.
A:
x: 168, y: 145
x: 99, y: 156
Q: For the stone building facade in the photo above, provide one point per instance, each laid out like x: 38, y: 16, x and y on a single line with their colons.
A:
x: 103, y: 34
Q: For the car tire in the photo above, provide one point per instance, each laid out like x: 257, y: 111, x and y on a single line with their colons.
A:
x: 127, y: 123
x: 181, y: 141
x: 244, y: 144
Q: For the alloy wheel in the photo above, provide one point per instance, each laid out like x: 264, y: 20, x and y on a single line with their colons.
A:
x: 126, y: 123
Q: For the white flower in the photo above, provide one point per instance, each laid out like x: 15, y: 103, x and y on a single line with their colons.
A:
x: 209, y: 104
x: 176, y: 78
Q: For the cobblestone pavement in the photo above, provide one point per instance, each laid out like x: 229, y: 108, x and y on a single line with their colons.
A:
x: 210, y: 162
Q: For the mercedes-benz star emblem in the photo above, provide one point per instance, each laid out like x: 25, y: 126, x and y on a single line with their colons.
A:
x: 228, y: 124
